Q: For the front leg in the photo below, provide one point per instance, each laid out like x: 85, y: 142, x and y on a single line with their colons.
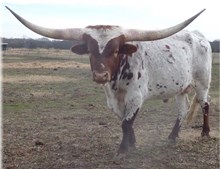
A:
x: 131, y: 139
x: 128, y: 139
x: 123, y: 148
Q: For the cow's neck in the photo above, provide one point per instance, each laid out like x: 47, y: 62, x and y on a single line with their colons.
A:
x: 121, y: 73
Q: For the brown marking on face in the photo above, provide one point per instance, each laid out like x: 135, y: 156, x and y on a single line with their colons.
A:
x: 109, y: 59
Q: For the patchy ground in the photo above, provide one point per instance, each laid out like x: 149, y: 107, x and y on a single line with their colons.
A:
x: 55, y: 117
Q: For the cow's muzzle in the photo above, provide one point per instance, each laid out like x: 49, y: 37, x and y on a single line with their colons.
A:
x: 102, y: 77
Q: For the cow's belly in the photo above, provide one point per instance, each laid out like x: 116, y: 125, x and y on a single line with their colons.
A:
x: 169, y: 85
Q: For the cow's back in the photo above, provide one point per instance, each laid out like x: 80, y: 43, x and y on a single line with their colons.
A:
x: 169, y: 65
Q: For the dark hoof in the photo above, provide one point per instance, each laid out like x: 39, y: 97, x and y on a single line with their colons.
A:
x: 172, y: 138
x: 205, y: 134
x: 118, y: 157
x: 172, y: 141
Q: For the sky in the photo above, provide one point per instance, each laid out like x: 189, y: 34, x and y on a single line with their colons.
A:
x: 137, y: 14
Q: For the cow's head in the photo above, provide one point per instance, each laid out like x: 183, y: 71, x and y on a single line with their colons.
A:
x: 105, y: 44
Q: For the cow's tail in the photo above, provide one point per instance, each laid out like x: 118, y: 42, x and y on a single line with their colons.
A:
x: 193, y: 109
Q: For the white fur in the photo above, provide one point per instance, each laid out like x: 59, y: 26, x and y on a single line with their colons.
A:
x: 103, y: 36
x: 170, y: 66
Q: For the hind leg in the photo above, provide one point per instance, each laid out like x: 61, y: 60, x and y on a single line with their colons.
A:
x: 205, y: 128
x: 182, y: 106
x: 202, y: 97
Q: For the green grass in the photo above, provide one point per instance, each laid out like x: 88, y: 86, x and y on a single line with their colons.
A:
x: 15, y: 107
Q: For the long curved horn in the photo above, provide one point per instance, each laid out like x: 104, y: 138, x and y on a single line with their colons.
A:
x: 142, y: 35
x: 64, y: 34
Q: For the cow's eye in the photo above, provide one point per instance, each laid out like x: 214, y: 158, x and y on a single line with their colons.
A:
x: 116, y: 51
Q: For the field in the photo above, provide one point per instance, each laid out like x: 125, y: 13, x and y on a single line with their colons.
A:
x: 56, y: 117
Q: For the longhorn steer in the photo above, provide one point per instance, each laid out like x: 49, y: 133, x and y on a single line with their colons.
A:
x: 140, y: 70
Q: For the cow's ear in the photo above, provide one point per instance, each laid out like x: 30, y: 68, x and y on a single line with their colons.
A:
x: 127, y: 49
x: 80, y: 49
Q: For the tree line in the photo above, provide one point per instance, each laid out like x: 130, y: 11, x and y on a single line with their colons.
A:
x: 62, y: 44
x: 38, y: 43
x: 215, y: 46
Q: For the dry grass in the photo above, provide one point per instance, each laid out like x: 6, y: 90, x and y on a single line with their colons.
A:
x: 46, y: 65
x: 54, y: 116
x: 33, y: 79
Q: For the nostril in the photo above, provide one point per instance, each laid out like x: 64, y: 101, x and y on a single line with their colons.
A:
x: 106, y: 74
x: 101, y: 77
x: 94, y: 75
